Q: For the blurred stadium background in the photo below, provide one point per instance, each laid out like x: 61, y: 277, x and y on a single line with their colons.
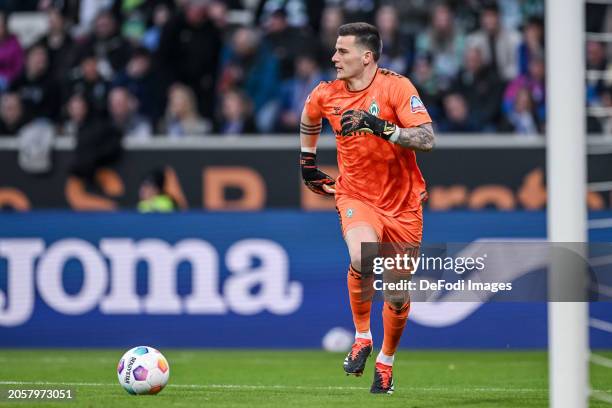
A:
x: 150, y: 191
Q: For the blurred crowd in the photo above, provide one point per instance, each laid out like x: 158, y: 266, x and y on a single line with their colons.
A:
x: 138, y: 68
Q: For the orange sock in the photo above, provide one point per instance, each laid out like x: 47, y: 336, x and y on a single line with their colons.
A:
x: 394, y: 322
x: 360, y: 294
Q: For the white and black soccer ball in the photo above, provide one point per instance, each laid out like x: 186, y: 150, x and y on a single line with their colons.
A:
x: 143, y: 370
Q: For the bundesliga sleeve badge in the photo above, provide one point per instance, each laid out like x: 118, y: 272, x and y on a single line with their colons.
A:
x: 416, y: 105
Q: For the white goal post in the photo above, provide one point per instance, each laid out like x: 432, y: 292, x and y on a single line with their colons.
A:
x: 566, y: 181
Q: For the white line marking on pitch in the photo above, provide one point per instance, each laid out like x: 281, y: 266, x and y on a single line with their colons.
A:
x: 272, y: 387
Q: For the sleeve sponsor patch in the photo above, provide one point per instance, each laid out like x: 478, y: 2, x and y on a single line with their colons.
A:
x: 416, y: 105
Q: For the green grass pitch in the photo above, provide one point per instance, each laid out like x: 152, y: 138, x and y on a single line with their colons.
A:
x: 256, y: 378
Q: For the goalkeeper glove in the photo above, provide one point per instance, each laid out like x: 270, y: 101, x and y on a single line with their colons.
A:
x: 314, y: 178
x: 361, y: 121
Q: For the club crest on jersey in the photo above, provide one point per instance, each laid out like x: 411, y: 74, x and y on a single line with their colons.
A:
x: 374, y: 109
x: 416, y: 105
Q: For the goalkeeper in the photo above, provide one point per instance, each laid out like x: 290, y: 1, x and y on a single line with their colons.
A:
x: 380, y: 122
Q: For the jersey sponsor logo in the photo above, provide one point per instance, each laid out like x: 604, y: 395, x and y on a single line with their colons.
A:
x: 374, y: 108
x: 416, y: 105
x: 349, y: 212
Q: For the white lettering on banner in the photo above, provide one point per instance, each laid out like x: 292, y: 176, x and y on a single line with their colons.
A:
x: 270, y: 277
x: 163, y: 261
x: 51, y: 269
x: 113, y: 267
x: 17, y: 304
x: 204, y: 297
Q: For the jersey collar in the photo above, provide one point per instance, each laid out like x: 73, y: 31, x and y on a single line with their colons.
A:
x: 364, y: 89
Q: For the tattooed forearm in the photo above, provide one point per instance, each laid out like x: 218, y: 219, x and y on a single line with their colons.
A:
x: 419, y: 138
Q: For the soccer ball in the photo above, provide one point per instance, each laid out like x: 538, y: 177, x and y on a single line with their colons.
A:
x: 143, y: 370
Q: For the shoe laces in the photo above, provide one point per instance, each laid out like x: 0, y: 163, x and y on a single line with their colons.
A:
x: 358, y: 345
x: 385, y: 372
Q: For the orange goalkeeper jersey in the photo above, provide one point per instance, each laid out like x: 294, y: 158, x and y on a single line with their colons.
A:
x: 382, y: 174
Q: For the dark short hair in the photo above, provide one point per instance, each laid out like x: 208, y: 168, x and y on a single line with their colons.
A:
x: 365, y: 34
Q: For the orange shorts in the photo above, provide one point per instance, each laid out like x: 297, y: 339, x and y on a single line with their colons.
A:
x: 406, y: 227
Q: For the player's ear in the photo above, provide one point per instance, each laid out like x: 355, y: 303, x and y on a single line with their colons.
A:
x: 367, y: 57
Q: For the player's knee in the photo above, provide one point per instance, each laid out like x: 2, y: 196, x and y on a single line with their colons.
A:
x: 355, y: 238
x: 355, y: 254
x: 398, y: 306
x: 356, y: 265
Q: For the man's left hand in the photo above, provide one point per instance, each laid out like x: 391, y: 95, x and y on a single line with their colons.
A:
x: 355, y: 121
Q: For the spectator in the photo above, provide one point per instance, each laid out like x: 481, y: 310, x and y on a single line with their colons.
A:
x: 11, y: 54
x: 426, y: 82
x: 189, y: 52
x: 86, y: 80
x: 457, y: 116
x: 482, y: 88
x: 444, y: 42
x: 60, y: 46
x: 69, y: 9
x: 76, y: 111
x: 106, y: 42
x: 85, y: 13
x: 254, y: 70
x: 98, y: 148
x: 297, y: 11
x: 331, y: 19
x: 123, y: 109
x: 515, y: 12
x: 531, y: 9
x: 532, y: 45
x: 12, y: 116
x: 522, y: 117
x: 217, y: 11
x: 38, y: 90
x: 399, y: 48
x: 597, y: 62
x: 182, y: 117
x: 135, y: 16
x: 412, y: 14
x: 161, y: 16
x: 467, y: 13
x: 357, y: 10
x: 294, y: 92
x: 499, y: 46
x: 236, y: 114
x: 98, y: 144
x: 285, y: 41
x: 152, y: 195
x: 533, y: 82
x: 603, y: 123
x: 142, y: 82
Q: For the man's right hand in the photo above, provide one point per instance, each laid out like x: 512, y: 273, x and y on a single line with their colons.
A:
x: 317, y: 181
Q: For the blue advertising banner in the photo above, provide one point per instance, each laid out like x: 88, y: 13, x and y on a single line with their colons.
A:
x: 274, y: 279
